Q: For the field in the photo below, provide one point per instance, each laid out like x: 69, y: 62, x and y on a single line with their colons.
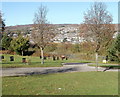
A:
x: 34, y: 62
x: 78, y: 83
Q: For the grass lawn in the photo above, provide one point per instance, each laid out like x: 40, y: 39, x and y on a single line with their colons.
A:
x: 114, y: 66
x: 35, y: 62
x: 77, y: 83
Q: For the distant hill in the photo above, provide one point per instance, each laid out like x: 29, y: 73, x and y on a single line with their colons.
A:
x: 68, y: 32
x: 20, y: 27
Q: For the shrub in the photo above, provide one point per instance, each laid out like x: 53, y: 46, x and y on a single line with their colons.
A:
x: 114, y: 50
x: 20, y: 44
x: 6, y: 41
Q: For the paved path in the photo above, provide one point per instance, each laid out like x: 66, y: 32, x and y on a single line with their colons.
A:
x: 45, y: 70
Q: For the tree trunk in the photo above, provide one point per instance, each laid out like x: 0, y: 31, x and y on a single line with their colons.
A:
x: 96, y: 59
x: 42, y: 56
x: 22, y: 53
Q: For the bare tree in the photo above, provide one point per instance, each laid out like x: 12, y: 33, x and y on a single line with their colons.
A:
x: 97, y: 26
x: 43, y: 31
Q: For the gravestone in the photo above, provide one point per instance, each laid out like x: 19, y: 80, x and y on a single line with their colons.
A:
x: 23, y: 60
x: 104, y: 61
x: 49, y: 57
x: 57, y: 58
x: 2, y: 57
x: 62, y: 57
x: 66, y: 58
x: 11, y: 58
x: 40, y: 57
x: 106, y: 58
x: 54, y: 58
x: 45, y: 57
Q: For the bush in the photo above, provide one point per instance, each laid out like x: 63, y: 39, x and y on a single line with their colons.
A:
x: 114, y: 50
x: 20, y: 45
x: 6, y: 41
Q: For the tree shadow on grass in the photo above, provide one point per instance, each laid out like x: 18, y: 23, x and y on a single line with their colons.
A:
x: 31, y: 63
x: 51, y: 71
x: 11, y: 62
x: 76, y: 63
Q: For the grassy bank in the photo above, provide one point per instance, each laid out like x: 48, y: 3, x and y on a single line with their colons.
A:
x: 79, y: 83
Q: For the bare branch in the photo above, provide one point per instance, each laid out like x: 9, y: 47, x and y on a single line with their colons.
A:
x: 43, y: 31
x: 97, y: 24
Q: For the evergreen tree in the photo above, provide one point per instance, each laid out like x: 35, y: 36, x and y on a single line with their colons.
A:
x: 114, y: 50
x: 2, y: 24
x: 6, y: 41
x: 20, y: 44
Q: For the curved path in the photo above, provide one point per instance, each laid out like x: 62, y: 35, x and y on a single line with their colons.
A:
x: 80, y: 67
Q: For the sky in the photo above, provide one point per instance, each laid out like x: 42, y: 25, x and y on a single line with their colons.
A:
x: 21, y: 13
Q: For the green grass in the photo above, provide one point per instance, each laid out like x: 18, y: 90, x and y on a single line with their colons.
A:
x: 35, y: 62
x: 77, y: 83
x: 114, y: 66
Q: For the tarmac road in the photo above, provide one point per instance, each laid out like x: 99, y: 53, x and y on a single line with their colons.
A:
x: 82, y: 67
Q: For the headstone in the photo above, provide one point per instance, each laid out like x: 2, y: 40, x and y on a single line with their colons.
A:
x: 106, y: 58
x: 63, y: 57
x: 11, y: 58
x: 2, y: 57
x: 54, y: 58
x: 40, y: 57
x: 49, y: 57
x: 45, y: 58
x: 104, y: 61
x: 57, y: 58
x: 23, y: 60
x: 66, y: 58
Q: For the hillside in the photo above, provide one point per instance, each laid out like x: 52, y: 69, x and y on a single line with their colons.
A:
x: 65, y: 32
